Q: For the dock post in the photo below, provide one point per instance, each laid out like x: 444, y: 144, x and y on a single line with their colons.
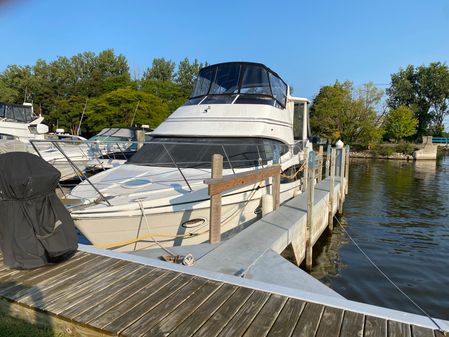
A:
x: 320, y: 163
x: 332, y: 159
x: 342, y: 182
x: 347, y: 170
x: 215, y: 202
x: 276, y: 180
x: 310, y: 201
x: 328, y: 160
x: 306, y: 171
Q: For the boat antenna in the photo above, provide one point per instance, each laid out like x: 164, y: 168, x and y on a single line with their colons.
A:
x: 81, y: 119
x: 135, y: 113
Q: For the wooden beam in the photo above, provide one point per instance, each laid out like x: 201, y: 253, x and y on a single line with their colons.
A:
x: 215, y: 202
x: 219, y: 185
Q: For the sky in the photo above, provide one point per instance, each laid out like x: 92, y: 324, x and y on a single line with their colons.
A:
x: 308, y: 43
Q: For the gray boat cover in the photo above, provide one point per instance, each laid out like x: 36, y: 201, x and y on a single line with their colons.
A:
x: 35, y: 227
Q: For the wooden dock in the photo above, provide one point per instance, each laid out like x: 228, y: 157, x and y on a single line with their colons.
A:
x: 101, y: 295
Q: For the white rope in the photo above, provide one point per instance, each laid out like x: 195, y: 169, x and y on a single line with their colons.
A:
x: 386, y: 276
x: 148, y: 228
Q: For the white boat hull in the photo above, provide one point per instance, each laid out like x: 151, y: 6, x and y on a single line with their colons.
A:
x: 141, y: 232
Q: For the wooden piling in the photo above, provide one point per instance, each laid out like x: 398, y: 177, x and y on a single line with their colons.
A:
x: 310, y: 200
x: 342, y: 181
x: 320, y: 163
x: 215, y: 202
x: 328, y: 160
x: 306, y: 171
x: 347, y: 170
x: 332, y: 159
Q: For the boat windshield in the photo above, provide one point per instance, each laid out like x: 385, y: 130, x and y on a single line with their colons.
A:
x: 114, y: 134
x: 239, y: 82
x: 16, y: 113
x: 197, y: 152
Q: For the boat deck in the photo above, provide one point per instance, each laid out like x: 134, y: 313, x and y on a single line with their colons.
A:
x: 96, y: 295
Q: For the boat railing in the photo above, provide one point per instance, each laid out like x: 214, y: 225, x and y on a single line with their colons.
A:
x: 99, y: 154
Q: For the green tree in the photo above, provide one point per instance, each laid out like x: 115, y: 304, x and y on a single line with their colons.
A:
x: 400, y: 123
x: 118, y: 108
x: 187, y: 73
x: 161, y: 69
x: 171, y: 93
x: 8, y: 95
x: 338, y: 113
x: 425, y: 90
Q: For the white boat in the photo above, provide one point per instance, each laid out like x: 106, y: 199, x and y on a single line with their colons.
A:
x: 19, y: 125
x: 241, y: 110
x: 111, y: 147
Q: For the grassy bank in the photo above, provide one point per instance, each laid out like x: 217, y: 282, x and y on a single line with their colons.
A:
x: 12, y: 327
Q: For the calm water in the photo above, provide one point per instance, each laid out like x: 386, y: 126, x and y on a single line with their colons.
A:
x: 398, y: 212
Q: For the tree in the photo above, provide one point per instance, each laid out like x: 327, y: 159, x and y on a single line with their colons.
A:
x: 118, y: 108
x: 336, y: 114
x: 187, y: 74
x: 425, y: 90
x: 169, y: 92
x: 161, y: 69
x: 7, y: 95
x: 400, y: 123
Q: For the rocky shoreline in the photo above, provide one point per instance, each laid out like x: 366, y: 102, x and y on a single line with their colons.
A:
x: 372, y: 155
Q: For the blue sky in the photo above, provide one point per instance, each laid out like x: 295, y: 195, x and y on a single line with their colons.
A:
x: 309, y: 43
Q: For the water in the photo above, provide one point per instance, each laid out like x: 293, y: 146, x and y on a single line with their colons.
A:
x: 398, y: 212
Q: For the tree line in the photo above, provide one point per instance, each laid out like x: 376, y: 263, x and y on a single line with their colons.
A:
x: 414, y: 105
x: 101, y: 85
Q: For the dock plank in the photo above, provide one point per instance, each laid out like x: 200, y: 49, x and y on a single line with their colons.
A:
x: 127, y: 303
x: 397, y: 329
x: 330, y: 323
x: 309, y: 320
x: 182, y: 312
x: 375, y: 327
x: 352, y: 325
x: 244, y: 317
x: 286, y: 321
x: 47, y: 290
x: 90, y: 288
x: 224, y: 314
x: 130, y: 315
x: 266, y: 317
x: 93, y: 300
x: 206, y: 310
x: 418, y: 331
x: 158, y: 312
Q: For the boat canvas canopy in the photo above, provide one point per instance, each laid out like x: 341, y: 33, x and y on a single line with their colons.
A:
x: 17, y: 113
x: 240, y: 83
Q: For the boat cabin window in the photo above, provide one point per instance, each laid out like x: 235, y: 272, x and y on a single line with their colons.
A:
x: 239, y: 83
x: 17, y: 113
x: 197, y: 152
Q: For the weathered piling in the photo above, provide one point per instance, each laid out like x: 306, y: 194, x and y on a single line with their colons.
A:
x: 310, y: 201
x: 320, y: 163
x: 332, y: 159
x: 215, y: 201
x: 342, y: 182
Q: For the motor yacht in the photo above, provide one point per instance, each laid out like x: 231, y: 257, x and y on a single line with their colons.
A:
x: 18, y: 125
x: 241, y: 110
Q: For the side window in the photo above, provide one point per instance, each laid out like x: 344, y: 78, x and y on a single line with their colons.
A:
x: 255, y: 81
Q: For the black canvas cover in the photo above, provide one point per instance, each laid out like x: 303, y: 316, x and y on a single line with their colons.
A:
x: 35, y: 227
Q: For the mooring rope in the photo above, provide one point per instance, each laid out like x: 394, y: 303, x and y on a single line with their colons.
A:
x: 388, y: 278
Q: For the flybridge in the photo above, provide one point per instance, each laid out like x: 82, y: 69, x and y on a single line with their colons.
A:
x: 17, y: 113
x: 239, y: 83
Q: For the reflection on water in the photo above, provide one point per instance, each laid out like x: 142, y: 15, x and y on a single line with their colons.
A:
x: 398, y: 212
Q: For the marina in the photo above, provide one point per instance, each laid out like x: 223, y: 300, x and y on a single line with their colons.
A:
x: 190, y: 225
